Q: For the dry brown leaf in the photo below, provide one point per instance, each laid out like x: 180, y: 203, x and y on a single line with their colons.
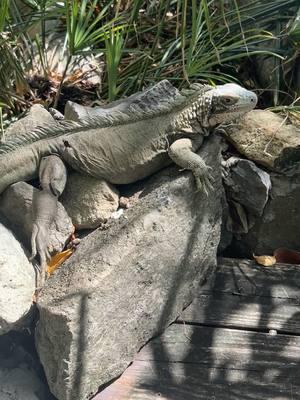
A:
x: 58, y: 259
x: 266, y: 261
x: 287, y: 256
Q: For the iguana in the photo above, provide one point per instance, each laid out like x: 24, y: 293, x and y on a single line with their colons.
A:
x: 122, y: 147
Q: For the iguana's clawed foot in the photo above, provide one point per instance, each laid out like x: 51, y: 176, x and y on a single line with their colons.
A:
x: 39, y: 240
x: 204, y: 180
x: 226, y: 165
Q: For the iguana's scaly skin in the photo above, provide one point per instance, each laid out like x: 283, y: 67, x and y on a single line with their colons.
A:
x: 124, y: 147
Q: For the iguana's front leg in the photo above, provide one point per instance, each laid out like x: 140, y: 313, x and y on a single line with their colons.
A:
x: 53, y: 177
x: 182, y: 152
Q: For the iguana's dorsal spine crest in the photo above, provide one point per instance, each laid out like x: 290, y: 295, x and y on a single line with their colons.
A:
x: 165, y: 98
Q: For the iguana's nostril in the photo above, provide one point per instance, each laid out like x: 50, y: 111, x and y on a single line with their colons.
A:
x: 253, y: 99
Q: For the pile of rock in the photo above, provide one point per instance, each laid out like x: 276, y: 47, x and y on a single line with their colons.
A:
x: 125, y: 283
x: 263, y: 188
x: 131, y: 278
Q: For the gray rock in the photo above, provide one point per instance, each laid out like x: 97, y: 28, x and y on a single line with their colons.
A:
x: 37, y: 116
x: 249, y: 186
x: 57, y: 115
x: 16, y: 209
x: 89, y: 201
x: 226, y: 231
x: 17, y: 282
x: 126, y: 284
x: 247, y: 192
x: 279, y: 226
x: 264, y: 137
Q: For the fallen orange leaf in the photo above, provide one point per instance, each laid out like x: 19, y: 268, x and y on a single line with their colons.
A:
x: 58, y: 259
x: 266, y: 261
x: 287, y: 256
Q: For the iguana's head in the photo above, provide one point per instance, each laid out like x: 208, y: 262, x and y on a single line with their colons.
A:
x: 228, y: 102
x: 211, y: 106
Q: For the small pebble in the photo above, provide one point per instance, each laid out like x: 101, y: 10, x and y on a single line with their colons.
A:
x: 124, y: 202
x: 272, y: 332
x: 117, y: 214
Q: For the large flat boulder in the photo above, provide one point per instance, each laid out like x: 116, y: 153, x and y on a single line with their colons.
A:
x: 89, y: 201
x: 126, y: 284
x: 36, y: 116
x: 17, y: 282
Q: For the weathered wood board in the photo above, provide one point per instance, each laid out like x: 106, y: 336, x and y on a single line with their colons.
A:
x: 151, y: 381
x: 246, y: 295
x: 226, y: 349
x: 238, y: 311
x: 190, y: 362
x: 225, y: 345
x: 245, y: 277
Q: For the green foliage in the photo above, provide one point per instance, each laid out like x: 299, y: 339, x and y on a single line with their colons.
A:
x: 113, y: 45
x: 294, y: 31
x: 3, y: 13
x: 84, y: 29
x: 141, y: 41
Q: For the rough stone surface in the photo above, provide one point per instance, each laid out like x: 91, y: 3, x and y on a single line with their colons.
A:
x: 16, y: 209
x: 264, y: 137
x: 89, y: 201
x: 17, y: 282
x: 248, y: 185
x: 226, y: 231
x: 37, y: 116
x: 126, y: 284
x: 279, y: 226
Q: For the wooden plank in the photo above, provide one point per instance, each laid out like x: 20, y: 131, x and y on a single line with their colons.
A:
x: 254, y: 312
x: 247, y: 278
x: 149, y: 380
x: 189, y: 362
x: 226, y: 349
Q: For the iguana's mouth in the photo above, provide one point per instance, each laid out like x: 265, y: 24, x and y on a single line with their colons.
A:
x: 225, y: 116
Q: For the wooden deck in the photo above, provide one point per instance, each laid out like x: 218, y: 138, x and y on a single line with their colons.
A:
x: 239, y: 340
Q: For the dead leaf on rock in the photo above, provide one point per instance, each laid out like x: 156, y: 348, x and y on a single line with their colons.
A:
x: 266, y: 261
x: 58, y: 259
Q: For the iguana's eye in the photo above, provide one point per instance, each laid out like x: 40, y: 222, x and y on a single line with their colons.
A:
x: 229, y: 100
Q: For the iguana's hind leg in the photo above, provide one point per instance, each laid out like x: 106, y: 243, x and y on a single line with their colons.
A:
x: 182, y: 153
x: 53, y: 177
